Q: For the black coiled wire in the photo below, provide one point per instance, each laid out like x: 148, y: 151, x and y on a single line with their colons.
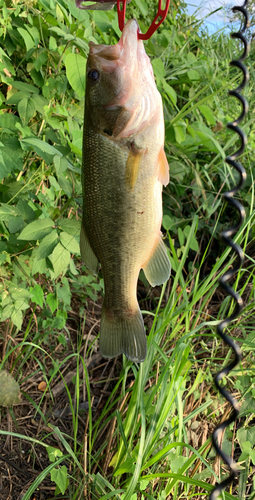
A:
x: 227, y: 237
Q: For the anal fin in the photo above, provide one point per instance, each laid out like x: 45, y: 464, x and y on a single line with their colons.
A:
x: 158, y: 268
x: 87, y: 254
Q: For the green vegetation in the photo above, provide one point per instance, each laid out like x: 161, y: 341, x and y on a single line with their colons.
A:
x: 77, y: 426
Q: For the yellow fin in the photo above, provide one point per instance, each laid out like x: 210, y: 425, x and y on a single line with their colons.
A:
x: 87, y: 253
x: 133, y: 164
x: 163, y: 168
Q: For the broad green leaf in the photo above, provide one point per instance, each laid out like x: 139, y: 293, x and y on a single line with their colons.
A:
x: 39, y: 102
x: 9, y: 389
x: 53, y: 453
x: 60, y: 259
x: 8, y: 121
x: 70, y: 243
x: 29, y: 42
x: 34, y: 33
x: 59, y: 476
x: 52, y: 302
x: 180, y: 131
x: 158, y: 68
x: 37, y: 229
x: 60, y: 163
x: 17, y: 318
x: 47, y: 245
x: 181, y: 236
x: 127, y: 466
x: 15, y: 224
x: 167, y: 222
x: 42, y: 146
x: 208, y: 114
x: 39, y: 266
x: 11, y: 156
x: 26, y: 212
x: 70, y: 226
x: 37, y: 295
x: 17, y: 97
x: 26, y: 109
x: 193, y: 74
x: 7, y: 212
x: 170, y: 91
x: 25, y: 87
x: 63, y: 291
x: 76, y: 72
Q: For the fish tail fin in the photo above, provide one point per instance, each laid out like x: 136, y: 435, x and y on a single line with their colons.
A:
x: 124, y: 334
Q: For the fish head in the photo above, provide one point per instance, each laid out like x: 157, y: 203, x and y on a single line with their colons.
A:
x: 121, y: 94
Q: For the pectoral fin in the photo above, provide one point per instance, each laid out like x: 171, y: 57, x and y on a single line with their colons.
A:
x: 158, y: 268
x: 163, y: 168
x: 133, y: 165
x: 87, y: 253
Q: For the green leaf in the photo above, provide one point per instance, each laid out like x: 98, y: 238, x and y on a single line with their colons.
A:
x: 59, y: 476
x: 17, y: 97
x: 52, y: 302
x: 11, y: 156
x: 53, y: 453
x: 26, y: 109
x: 37, y: 295
x: 193, y: 75
x: 25, y: 87
x: 127, y: 466
x: 40, y: 60
x: 29, y: 42
x: 60, y: 259
x: 42, y: 146
x: 8, y: 121
x: 76, y: 72
x: 181, y: 236
x: 158, y: 68
x: 70, y: 243
x: 63, y: 291
x: 47, y: 245
x: 208, y: 114
x: 37, y: 229
x: 39, y: 102
x: 70, y: 226
x: 61, y: 164
x: 39, y: 266
x: 15, y: 224
x: 180, y: 131
x: 9, y: 389
x: 7, y: 212
x: 170, y: 92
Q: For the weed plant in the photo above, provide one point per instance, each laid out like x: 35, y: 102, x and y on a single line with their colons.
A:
x: 85, y: 428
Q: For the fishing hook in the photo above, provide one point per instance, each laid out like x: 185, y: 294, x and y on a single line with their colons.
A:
x: 157, y: 21
x: 227, y: 238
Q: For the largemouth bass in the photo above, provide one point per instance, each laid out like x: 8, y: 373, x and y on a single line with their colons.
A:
x: 124, y: 167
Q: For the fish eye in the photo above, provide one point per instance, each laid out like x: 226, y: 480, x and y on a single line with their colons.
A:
x: 93, y: 75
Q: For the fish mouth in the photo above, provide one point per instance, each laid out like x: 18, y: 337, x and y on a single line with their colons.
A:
x: 125, y: 51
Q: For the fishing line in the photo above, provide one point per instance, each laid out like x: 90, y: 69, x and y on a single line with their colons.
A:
x: 227, y: 238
